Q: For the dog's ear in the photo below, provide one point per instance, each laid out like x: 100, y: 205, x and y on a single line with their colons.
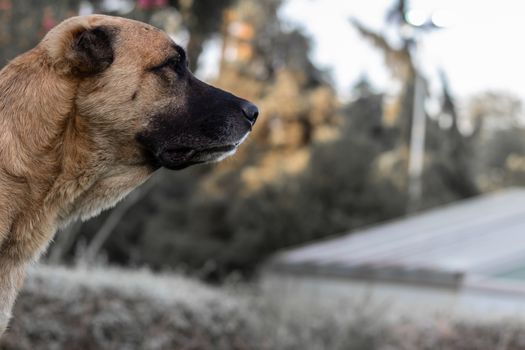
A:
x: 92, y: 51
x: 80, y: 49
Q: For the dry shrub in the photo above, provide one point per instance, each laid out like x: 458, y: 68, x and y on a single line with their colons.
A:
x: 115, y: 309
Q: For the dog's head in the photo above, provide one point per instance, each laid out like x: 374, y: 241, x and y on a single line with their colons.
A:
x: 136, y: 92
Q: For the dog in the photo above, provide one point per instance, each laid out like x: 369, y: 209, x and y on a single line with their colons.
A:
x: 87, y: 116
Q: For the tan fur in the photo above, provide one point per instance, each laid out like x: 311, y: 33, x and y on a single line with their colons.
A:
x: 57, y: 159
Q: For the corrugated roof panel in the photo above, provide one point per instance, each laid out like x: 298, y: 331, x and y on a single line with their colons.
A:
x: 467, y: 236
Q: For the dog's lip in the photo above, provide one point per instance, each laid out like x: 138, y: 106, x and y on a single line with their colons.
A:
x: 189, y: 151
x: 177, y: 158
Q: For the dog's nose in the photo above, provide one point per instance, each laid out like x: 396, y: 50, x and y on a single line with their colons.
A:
x: 250, y: 111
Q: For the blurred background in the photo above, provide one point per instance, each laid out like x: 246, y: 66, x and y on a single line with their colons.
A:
x: 378, y: 121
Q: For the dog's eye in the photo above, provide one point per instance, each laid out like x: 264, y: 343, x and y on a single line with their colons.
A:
x: 173, y: 64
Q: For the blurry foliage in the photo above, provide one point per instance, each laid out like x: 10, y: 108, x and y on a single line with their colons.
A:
x: 450, y: 172
x: 497, y: 110
x: 24, y: 23
x: 501, y: 147
x: 313, y: 167
x: 449, y: 153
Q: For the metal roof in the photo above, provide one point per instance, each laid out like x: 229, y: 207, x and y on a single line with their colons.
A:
x: 480, y: 236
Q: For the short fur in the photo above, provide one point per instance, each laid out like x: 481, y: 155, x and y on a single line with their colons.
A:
x: 87, y: 116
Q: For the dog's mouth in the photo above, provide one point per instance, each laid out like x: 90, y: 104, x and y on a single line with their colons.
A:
x: 178, y: 158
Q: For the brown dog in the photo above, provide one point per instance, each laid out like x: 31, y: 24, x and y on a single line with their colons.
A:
x: 87, y: 116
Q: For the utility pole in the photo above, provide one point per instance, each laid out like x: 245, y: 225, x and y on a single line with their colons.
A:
x: 416, y: 24
x: 416, y: 158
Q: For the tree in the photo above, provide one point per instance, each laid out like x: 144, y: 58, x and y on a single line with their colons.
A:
x: 496, y: 110
x: 448, y: 149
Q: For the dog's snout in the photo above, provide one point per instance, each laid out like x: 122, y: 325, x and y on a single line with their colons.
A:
x: 250, y: 111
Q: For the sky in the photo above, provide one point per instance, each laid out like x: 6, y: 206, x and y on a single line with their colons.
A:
x: 482, y: 48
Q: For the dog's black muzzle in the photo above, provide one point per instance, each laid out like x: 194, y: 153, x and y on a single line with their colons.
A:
x: 200, y: 124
